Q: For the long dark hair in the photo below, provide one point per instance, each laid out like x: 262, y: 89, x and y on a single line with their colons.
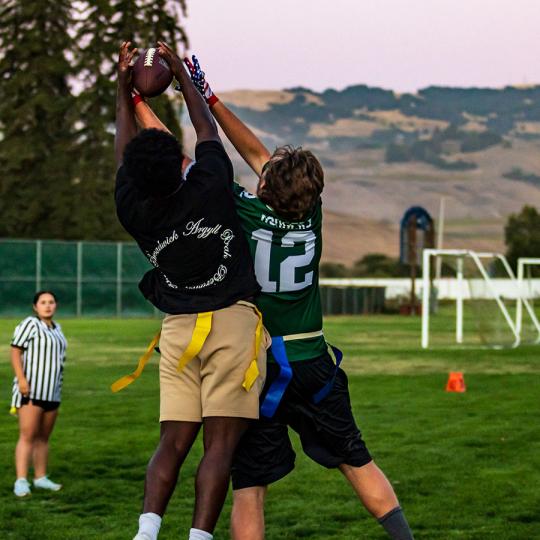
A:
x: 39, y: 293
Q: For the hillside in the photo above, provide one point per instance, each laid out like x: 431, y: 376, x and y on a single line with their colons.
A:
x: 383, y: 152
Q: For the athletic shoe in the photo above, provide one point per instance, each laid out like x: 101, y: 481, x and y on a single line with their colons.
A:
x: 45, y: 483
x: 21, y: 487
x: 142, y: 536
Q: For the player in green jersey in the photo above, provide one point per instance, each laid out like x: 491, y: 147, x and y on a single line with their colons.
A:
x: 304, y: 388
x: 286, y: 255
x: 283, y: 227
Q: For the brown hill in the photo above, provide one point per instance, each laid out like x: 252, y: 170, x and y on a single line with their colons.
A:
x: 365, y: 197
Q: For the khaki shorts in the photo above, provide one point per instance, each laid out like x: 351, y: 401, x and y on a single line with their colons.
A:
x: 211, y: 383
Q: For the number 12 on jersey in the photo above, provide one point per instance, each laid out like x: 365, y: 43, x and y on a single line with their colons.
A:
x: 267, y: 258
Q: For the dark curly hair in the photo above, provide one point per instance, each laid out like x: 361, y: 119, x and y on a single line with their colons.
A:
x: 153, y: 160
x: 292, y: 183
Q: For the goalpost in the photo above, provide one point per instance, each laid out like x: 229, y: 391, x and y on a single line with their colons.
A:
x: 527, y: 293
x: 489, y: 290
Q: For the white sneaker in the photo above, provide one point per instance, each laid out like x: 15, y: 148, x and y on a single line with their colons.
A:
x: 21, y: 487
x: 45, y: 483
x: 142, y: 536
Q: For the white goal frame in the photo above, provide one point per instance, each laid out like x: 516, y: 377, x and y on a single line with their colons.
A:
x: 522, y: 298
x: 477, y: 257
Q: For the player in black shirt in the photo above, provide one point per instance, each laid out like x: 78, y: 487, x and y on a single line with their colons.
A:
x: 212, y: 345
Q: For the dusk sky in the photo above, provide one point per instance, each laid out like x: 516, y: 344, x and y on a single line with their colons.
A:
x: 402, y: 45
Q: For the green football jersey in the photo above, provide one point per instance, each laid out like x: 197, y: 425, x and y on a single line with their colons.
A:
x: 286, y: 256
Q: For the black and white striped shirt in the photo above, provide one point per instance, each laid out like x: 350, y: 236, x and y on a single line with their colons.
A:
x: 43, y: 359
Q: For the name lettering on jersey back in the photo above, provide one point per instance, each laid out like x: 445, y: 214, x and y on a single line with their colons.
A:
x: 169, y: 282
x: 195, y: 228
x: 219, y: 275
x: 227, y: 235
x: 161, y: 245
x: 276, y: 222
x: 247, y: 195
x: 216, y: 278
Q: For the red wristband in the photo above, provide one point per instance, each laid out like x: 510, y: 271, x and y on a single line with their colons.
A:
x: 212, y: 100
x: 137, y: 98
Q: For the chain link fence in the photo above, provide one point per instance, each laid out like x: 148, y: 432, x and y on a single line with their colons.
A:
x: 351, y: 300
x: 100, y: 279
x: 89, y: 278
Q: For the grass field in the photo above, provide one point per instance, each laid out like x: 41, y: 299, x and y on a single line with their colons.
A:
x: 465, y: 466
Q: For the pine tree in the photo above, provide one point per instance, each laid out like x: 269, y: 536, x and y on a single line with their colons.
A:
x: 36, y: 152
x: 102, y: 26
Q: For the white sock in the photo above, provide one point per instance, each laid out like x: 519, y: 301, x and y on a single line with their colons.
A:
x: 149, y: 524
x: 197, y: 534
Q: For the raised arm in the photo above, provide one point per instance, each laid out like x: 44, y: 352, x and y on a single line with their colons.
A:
x: 200, y: 116
x: 146, y: 117
x: 247, y: 144
x: 126, y: 127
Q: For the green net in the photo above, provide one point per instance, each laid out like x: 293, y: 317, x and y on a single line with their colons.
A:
x: 490, y: 295
x: 89, y: 278
x: 530, y: 310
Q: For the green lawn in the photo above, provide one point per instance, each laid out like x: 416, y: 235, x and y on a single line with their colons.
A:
x: 465, y: 466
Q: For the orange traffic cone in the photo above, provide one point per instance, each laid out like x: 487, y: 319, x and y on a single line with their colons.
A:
x: 456, y: 382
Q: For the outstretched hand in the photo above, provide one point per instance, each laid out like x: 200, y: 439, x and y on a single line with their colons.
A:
x: 125, y: 58
x: 171, y: 57
x: 199, y: 80
x: 126, y: 128
x: 200, y: 115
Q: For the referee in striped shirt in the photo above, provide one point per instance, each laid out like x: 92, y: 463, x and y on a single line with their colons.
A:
x: 38, y: 351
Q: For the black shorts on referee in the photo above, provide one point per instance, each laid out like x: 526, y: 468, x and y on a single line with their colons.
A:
x: 327, y: 430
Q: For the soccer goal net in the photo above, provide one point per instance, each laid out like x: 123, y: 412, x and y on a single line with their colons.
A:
x: 486, y: 305
x: 528, y: 276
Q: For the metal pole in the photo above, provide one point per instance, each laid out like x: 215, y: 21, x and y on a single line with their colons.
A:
x: 413, y: 254
x: 425, y: 298
x: 79, y: 278
x: 119, y: 279
x: 459, y: 302
x: 38, y: 264
x: 519, y: 306
x: 440, y: 233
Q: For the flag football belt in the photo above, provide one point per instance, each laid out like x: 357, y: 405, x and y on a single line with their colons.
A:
x: 278, y: 387
x: 201, y: 331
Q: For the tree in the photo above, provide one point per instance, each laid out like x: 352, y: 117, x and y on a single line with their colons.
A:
x: 378, y: 265
x: 397, y: 153
x: 36, y: 119
x: 102, y: 25
x: 522, y: 235
x: 333, y: 270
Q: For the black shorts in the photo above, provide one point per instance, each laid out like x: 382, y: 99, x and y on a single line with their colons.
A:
x: 45, y: 405
x: 327, y: 430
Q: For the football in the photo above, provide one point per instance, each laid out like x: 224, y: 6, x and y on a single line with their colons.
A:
x: 152, y: 75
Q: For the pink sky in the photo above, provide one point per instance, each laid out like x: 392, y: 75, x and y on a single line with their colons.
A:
x: 397, y: 44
